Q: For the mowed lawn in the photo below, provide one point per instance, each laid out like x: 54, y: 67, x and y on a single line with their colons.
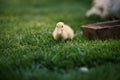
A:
x: 29, y: 52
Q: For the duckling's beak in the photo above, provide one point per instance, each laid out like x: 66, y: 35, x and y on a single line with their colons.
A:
x: 59, y: 31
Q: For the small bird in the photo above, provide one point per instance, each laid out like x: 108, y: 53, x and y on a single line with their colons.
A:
x: 63, y: 31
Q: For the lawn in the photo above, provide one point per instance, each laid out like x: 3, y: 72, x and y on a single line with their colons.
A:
x: 29, y: 52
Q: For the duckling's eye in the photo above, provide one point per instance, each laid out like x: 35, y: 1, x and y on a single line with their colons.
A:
x: 62, y: 26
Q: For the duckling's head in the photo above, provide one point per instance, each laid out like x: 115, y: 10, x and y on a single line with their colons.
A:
x: 59, y: 27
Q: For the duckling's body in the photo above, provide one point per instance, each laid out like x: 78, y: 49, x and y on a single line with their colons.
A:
x: 63, y: 31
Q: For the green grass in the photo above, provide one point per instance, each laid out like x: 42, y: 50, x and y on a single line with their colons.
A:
x: 28, y: 51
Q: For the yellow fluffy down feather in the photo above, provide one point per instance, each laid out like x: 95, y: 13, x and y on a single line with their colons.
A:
x: 63, y: 31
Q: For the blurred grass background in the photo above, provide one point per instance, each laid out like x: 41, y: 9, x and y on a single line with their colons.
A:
x: 28, y: 51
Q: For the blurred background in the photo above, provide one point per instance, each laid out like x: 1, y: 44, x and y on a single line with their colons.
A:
x: 28, y: 51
